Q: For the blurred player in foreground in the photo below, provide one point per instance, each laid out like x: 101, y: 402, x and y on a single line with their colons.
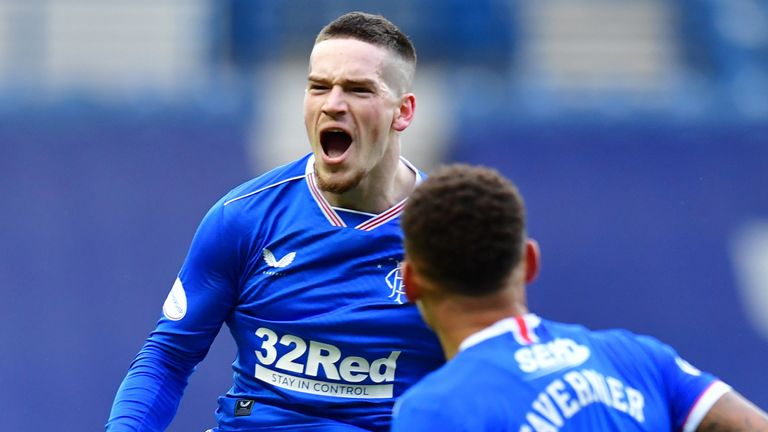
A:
x: 467, y: 264
x: 302, y: 264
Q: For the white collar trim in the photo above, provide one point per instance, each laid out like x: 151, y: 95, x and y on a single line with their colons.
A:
x: 333, y: 217
x: 522, y: 327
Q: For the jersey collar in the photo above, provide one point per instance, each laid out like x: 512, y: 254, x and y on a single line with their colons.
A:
x: 523, y: 328
x: 333, y: 217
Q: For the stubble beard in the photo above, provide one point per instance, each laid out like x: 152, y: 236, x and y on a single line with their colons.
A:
x: 340, y: 186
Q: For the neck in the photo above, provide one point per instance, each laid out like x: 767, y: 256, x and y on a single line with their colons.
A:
x: 385, y: 185
x: 456, y: 318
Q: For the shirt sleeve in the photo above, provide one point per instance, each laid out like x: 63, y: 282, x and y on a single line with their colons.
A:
x: 691, y: 393
x: 200, y: 300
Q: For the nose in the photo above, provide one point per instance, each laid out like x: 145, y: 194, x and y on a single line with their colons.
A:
x: 335, y: 102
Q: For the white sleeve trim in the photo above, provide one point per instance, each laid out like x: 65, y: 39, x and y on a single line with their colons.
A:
x: 705, y: 402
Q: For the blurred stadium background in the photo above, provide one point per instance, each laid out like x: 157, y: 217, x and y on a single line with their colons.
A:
x: 636, y: 129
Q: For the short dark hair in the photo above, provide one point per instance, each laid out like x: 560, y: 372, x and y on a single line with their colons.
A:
x: 464, y: 228
x: 372, y: 29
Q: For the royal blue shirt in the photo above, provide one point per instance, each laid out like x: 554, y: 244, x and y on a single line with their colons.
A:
x: 313, y: 298
x: 527, y: 374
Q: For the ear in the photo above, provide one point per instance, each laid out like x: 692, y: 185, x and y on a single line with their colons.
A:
x: 404, y: 115
x: 412, y: 287
x: 532, y: 260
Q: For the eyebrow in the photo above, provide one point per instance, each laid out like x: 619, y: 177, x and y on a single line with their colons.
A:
x: 346, y: 82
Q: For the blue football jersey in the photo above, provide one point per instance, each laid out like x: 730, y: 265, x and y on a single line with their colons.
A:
x: 313, y: 297
x: 526, y: 374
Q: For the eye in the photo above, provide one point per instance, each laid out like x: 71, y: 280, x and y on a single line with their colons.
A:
x: 317, y: 87
x: 361, y: 90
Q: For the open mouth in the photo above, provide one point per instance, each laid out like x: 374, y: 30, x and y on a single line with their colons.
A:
x: 335, y: 142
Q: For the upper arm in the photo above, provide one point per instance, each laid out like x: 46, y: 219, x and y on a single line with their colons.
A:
x: 208, y: 284
x: 689, y: 392
x: 192, y: 316
x: 733, y: 413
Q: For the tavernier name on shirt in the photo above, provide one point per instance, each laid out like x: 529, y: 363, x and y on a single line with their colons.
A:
x: 566, y: 395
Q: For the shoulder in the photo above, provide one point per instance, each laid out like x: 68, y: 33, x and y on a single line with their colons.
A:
x: 622, y: 346
x: 633, y: 341
x: 267, y: 182
x: 642, y: 355
x: 612, y: 336
x: 243, y: 207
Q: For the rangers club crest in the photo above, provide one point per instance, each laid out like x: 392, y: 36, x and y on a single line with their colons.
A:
x: 395, y: 284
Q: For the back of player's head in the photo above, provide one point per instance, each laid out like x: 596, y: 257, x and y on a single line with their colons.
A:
x: 464, y: 229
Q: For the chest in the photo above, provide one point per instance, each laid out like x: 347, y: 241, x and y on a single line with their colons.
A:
x: 321, y: 269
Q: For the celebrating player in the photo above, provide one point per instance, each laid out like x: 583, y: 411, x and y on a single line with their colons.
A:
x: 467, y: 263
x: 302, y: 264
